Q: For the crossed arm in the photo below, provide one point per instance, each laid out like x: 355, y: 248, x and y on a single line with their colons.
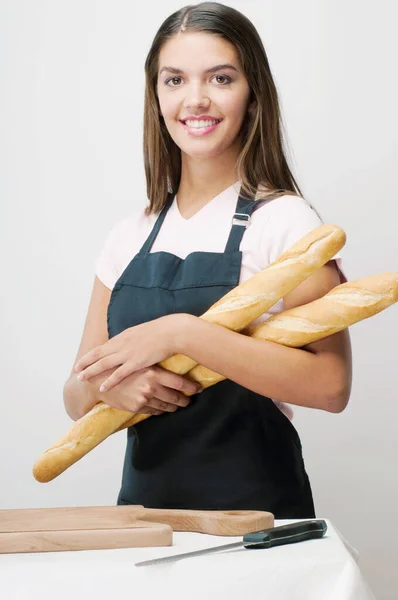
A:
x: 317, y: 376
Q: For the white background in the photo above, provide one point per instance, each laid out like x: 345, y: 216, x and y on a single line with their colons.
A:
x: 71, y: 165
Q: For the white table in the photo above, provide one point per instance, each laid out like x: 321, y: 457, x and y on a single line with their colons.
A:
x: 324, y: 569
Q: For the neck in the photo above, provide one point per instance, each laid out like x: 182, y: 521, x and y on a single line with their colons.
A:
x: 204, y: 179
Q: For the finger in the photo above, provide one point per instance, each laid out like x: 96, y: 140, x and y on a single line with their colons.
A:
x: 103, y: 364
x: 173, y: 397
x: 176, y: 382
x: 110, y: 347
x: 149, y: 410
x: 117, y: 376
x: 158, y: 404
x: 89, y: 358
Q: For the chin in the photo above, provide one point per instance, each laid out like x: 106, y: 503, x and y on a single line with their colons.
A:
x: 201, y: 154
x: 203, y: 149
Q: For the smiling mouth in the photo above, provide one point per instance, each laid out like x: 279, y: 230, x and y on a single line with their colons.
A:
x: 200, y: 123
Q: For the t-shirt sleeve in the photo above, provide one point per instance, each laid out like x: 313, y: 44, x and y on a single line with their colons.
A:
x: 105, y: 264
x: 291, y: 218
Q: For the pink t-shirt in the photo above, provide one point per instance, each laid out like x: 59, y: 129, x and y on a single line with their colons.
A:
x: 275, y: 226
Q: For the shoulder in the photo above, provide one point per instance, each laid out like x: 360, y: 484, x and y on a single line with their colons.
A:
x: 135, y: 220
x: 286, y: 209
x: 279, y: 223
x: 287, y: 213
x: 123, y: 240
x: 132, y: 226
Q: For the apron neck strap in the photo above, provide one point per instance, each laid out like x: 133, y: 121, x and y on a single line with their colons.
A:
x: 147, y: 245
x: 240, y: 221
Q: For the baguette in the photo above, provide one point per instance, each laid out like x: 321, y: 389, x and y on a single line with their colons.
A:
x: 79, y: 440
x: 343, y: 306
x: 236, y: 310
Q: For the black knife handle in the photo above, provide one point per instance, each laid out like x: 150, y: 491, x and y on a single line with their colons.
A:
x: 285, y: 534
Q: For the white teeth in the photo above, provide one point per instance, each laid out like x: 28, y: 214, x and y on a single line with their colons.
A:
x: 201, y: 123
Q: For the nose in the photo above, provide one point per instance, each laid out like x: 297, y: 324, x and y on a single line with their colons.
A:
x: 196, y: 96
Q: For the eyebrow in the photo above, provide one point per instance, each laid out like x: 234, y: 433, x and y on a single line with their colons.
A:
x: 211, y: 70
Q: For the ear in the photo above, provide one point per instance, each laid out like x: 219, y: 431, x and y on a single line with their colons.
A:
x: 252, y: 107
x: 251, y: 111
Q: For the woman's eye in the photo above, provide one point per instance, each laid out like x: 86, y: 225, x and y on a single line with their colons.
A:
x: 173, y: 81
x: 224, y: 79
x: 176, y: 81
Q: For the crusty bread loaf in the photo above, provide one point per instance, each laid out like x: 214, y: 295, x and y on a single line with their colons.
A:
x: 252, y: 298
x: 79, y: 440
x: 236, y: 310
x: 343, y: 306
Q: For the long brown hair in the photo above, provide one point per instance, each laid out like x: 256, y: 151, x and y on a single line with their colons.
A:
x: 261, y: 162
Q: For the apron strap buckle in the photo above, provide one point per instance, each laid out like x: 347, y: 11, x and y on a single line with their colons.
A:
x: 241, y: 219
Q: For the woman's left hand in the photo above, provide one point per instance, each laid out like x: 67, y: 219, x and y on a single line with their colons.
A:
x: 133, y: 349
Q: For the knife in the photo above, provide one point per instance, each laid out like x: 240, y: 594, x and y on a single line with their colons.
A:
x: 267, y: 538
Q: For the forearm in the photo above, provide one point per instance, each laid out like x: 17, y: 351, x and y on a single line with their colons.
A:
x: 292, y: 375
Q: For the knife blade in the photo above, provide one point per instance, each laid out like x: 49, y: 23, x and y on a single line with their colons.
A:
x: 266, y: 538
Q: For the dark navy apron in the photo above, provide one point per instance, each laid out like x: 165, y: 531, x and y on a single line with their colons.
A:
x: 231, y: 448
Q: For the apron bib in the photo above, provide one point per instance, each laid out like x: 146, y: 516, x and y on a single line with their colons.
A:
x: 230, y: 449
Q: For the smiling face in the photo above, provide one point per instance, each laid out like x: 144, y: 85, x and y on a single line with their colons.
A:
x: 203, y: 94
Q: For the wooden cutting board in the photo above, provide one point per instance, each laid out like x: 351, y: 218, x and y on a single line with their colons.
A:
x: 101, y: 527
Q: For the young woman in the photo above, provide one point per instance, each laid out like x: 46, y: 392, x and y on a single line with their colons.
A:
x: 212, y: 148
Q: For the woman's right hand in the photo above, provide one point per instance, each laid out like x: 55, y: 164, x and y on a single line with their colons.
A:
x: 152, y: 391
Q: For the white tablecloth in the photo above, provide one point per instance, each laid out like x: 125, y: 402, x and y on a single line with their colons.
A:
x: 324, y: 569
